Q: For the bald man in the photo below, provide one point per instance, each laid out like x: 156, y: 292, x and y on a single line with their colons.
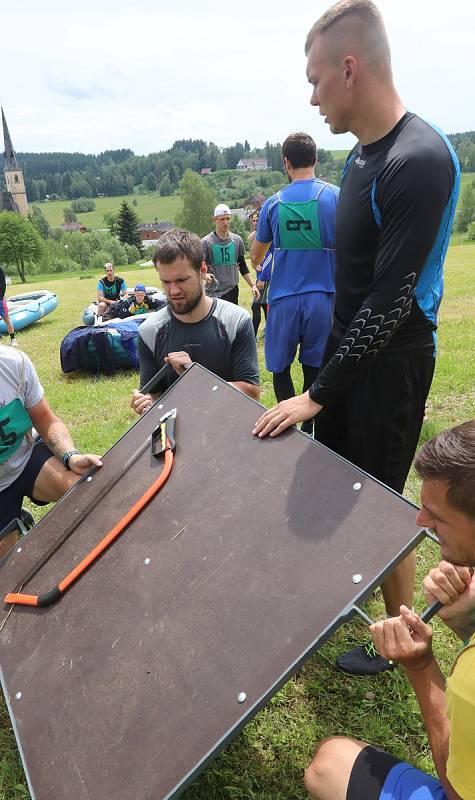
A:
x: 397, y: 202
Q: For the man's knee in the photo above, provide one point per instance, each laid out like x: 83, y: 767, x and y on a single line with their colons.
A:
x: 328, y: 773
x: 319, y: 769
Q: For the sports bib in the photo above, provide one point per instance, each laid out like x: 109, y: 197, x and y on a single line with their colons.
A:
x: 224, y: 255
x: 299, y: 227
x: 15, y: 422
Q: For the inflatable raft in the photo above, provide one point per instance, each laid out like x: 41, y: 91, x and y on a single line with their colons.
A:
x: 27, y: 308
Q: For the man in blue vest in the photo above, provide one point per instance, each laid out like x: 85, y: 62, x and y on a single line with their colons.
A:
x: 299, y: 221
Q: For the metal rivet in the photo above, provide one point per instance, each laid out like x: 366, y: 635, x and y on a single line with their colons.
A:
x: 147, y: 561
x: 214, y: 389
x: 241, y: 697
x: 357, y: 578
x: 18, y: 696
x: 89, y: 479
x: 356, y: 487
x: 18, y: 549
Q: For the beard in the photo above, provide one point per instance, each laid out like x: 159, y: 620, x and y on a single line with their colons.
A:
x: 188, y: 305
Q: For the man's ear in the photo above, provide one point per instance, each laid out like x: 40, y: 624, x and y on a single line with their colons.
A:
x: 203, y: 269
x: 350, y: 66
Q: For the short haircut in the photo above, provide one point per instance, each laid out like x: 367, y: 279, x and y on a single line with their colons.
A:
x: 450, y: 457
x: 369, y: 30
x: 178, y: 244
x: 300, y: 150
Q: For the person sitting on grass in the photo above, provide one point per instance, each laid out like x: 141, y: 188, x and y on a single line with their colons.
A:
x: 42, y: 470
x: 140, y: 303
x: 110, y: 288
x: 4, y: 309
x: 347, y: 769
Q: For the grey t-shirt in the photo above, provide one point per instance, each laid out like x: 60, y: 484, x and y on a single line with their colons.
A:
x: 223, y: 342
x: 18, y: 378
x: 225, y: 271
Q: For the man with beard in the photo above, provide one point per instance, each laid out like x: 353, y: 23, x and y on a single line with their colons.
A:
x: 193, y: 326
x: 347, y: 769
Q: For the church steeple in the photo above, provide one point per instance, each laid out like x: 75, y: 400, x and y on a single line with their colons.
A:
x: 10, y: 157
x: 15, y: 196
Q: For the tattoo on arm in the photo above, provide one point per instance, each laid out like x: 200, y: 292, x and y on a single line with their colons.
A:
x: 59, y: 442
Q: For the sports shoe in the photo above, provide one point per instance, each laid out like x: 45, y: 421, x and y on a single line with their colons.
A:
x: 13, y: 342
x: 364, y: 660
x: 27, y: 519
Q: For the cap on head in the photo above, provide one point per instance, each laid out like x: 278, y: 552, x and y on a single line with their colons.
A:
x: 140, y: 287
x: 106, y: 266
x: 221, y: 210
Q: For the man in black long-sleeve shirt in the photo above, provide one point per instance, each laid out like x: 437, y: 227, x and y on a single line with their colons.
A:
x: 394, y: 218
x: 224, y: 256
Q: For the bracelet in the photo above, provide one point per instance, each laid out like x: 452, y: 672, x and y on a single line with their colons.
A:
x: 67, y: 457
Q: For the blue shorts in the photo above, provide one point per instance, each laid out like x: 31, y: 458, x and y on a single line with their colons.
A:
x: 3, y: 309
x: 302, y: 319
x: 377, y: 775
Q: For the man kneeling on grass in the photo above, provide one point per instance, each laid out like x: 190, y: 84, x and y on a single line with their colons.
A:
x: 346, y: 769
x: 42, y: 470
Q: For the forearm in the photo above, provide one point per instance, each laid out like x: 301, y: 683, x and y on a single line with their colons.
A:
x: 250, y: 282
x: 251, y: 389
x: 244, y: 269
x: 57, y: 438
x: 429, y: 686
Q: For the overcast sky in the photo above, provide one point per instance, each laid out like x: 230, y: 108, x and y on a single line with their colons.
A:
x: 107, y: 74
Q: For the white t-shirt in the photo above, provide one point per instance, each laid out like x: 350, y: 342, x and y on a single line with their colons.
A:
x: 18, y: 378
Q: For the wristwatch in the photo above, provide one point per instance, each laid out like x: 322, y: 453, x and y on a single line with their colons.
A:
x: 67, y: 457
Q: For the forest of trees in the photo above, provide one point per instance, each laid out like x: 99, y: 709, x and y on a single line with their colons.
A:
x: 70, y: 176
x: 116, y: 172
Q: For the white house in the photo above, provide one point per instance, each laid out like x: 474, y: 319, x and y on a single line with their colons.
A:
x: 252, y: 164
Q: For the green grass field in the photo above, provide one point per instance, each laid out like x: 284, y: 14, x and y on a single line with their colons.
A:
x: 267, y: 759
x: 148, y: 207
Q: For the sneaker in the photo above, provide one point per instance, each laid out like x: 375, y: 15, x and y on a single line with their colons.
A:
x: 364, y: 660
x: 27, y: 519
x: 13, y: 342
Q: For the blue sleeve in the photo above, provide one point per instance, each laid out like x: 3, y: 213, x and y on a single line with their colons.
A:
x: 264, y: 230
x: 123, y: 287
x: 327, y: 215
x: 100, y: 286
x: 266, y: 271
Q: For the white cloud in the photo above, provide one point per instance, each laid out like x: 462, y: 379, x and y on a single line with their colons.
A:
x: 141, y: 74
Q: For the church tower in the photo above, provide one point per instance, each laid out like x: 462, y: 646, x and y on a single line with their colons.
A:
x: 13, y: 176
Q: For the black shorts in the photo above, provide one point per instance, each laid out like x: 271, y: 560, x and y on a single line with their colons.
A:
x: 232, y: 296
x: 11, y: 499
x: 369, y: 774
x: 377, y: 424
x: 377, y: 775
